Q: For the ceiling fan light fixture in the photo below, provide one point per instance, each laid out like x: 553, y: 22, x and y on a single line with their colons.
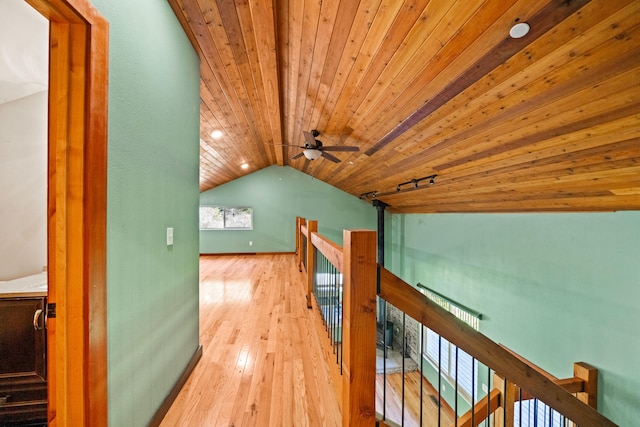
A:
x: 312, y: 153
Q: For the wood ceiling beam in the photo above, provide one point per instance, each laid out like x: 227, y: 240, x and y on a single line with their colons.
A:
x: 550, y: 16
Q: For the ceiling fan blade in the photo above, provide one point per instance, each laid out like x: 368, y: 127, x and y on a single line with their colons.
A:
x: 297, y: 156
x: 309, y: 138
x: 286, y: 145
x: 330, y: 157
x: 340, y: 148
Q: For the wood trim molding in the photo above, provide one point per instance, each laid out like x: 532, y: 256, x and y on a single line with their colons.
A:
x: 76, y: 247
x: 173, y: 394
x: 246, y: 253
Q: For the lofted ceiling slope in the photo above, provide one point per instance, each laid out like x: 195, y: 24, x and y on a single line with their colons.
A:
x: 546, y: 122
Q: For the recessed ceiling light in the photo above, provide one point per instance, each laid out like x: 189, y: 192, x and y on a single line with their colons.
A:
x: 216, y: 134
x: 519, y: 30
x: 244, y: 166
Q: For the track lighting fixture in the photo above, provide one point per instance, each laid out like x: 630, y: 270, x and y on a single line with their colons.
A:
x: 369, y: 194
x: 416, y: 181
x: 415, y: 184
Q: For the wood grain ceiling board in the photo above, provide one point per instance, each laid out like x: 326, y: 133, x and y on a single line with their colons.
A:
x: 549, y: 122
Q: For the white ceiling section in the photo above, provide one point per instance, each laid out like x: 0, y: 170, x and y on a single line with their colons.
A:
x: 24, y: 60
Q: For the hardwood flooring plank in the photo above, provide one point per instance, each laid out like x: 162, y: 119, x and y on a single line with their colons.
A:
x: 261, y: 362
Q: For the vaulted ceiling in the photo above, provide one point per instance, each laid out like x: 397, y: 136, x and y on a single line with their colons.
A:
x: 546, y: 122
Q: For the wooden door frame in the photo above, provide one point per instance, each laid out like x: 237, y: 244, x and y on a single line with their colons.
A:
x: 76, y: 200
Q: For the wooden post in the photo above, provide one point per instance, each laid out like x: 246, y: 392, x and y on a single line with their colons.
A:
x: 589, y: 374
x: 302, y: 222
x: 359, y: 328
x: 312, y: 227
x: 298, y: 241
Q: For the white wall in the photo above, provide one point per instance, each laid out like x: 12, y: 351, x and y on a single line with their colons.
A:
x: 23, y: 186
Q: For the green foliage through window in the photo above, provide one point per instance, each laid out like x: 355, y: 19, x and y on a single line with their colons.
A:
x: 222, y: 218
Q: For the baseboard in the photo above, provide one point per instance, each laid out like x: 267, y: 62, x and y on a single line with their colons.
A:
x: 168, y: 401
x: 247, y: 253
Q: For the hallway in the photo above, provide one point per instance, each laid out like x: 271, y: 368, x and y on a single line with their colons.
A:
x: 261, y: 364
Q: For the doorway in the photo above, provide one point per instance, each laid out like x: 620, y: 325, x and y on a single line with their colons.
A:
x: 76, y: 212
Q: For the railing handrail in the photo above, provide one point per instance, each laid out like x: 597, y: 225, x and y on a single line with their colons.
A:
x: 331, y: 250
x: 411, y: 301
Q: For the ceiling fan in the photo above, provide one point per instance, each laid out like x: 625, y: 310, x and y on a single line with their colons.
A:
x: 313, y: 148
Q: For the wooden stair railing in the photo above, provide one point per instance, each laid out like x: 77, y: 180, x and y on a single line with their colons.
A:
x: 411, y: 301
x: 356, y: 260
x: 583, y: 383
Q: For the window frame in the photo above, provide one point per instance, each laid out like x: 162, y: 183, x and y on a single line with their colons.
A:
x: 225, y: 210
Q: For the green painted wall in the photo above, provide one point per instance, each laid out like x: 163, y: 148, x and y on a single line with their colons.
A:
x: 556, y: 288
x: 277, y: 195
x: 152, y: 288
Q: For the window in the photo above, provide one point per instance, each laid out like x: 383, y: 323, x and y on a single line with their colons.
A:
x: 222, y: 218
x: 438, y: 350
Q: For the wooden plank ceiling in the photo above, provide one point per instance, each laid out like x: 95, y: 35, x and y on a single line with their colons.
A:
x: 547, y: 122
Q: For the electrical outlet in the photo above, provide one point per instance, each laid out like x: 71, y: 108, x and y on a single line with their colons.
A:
x: 169, y: 236
x: 444, y: 387
x: 250, y: 242
x: 484, y: 387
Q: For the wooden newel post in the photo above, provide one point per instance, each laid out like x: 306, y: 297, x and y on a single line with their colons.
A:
x: 298, y: 241
x: 589, y: 375
x: 359, y: 328
x: 312, y: 227
x: 303, y: 223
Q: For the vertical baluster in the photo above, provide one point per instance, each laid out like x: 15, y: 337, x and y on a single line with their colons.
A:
x: 535, y: 412
x: 550, y: 416
x: 330, y: 288
x: 341, y: 311
x: 455, y: 389
x: 421, y: 372
x: 330, y: 277
x: 473, y: 391
x: 404, y: 344
x: 487, y: 422
x: 520, y: 406
x: 384, y: 361
x: 439, y: 379
x: 504, y: 399
x: 334, y: 311
x: 325, y: 298
x: 325, y: 292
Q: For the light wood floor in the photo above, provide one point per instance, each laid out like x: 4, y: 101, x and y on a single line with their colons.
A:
x: 261, y: 364
x: 393, y: 410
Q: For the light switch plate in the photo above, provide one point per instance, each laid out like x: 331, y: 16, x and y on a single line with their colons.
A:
x: 169, y: 236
